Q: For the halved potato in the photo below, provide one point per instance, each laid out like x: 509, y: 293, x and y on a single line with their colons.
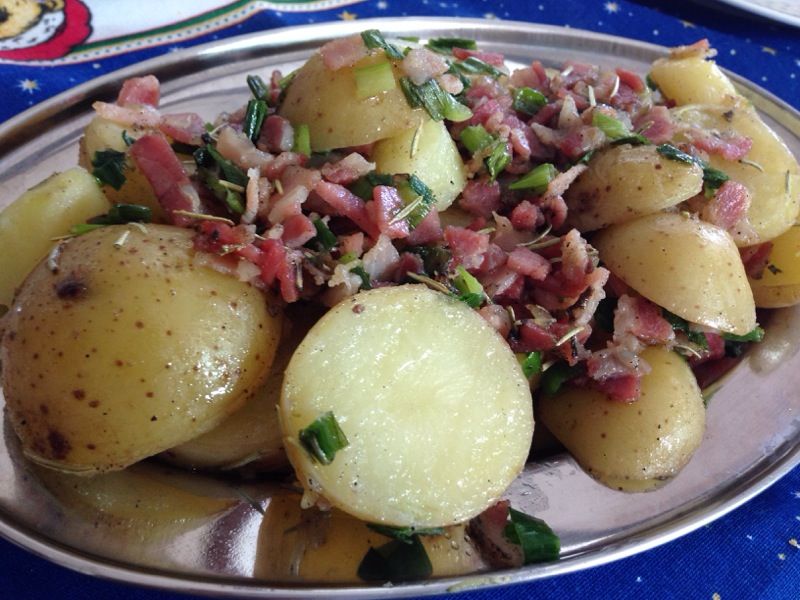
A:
x: 689, y: 267
x: 691, y: 80
x: 122, y: 347
x: 625, y: 182
x: 327, y: 102
x: 780, y: 285
x: 632, y: 446
x: 432, y: 400
x: 429, y: 153
x: 310, y: 545
x: 47, y: 210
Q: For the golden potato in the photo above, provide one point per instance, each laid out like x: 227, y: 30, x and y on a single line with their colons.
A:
x: 780, y: 285
x: 315, y: 546
x: 689, y: 267
x: 47, y: 210
x: 632, y: 446
x: 122, y: 347
x: 432, y: 400
x: 691, y: 80
x: 102, y: 134
x: 429, y: 153
x: 625, y: 182
x: 326, y: 101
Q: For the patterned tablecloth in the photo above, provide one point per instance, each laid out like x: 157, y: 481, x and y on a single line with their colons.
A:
x: 49, y: 46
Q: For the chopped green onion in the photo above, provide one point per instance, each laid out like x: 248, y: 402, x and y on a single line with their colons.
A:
x: 586, y: 158
x: 557, y: 375
x: 414, y: 192
x: 346, y: 258
x: 712, y: 178
x: 435, y: 259
x: 651, y: 83
x: 325, y: 237
x: 373, y: 79
x: 374, y: 39
x: 82, y: 228
x: 409, y: 38
x: 438, y: 103
x: 756, y: 335
x: 363, y: 186
x: 127, y: 138
x: 124, y: 213
x: 470, y: 289
x: 528, y: 100
x: 302, y: 140
x: 404, y: 534
x: 231, y: 198
x: 323, y: 438
x: 396, y: 561
x: 230, y: 171
x: 258, y: 87
x: 366, y: 282
x: 108, y: 167
x: 537, y: 540
x: 446, y: 44
x: 536, y: 180
x: 475, y: 138
x: 254, y: 118
x: 286, y: 80
x: 613, y: 128
x: 498, y: 159
x: 475, y: 66
x: 697, y: 338
x: 531, y: 363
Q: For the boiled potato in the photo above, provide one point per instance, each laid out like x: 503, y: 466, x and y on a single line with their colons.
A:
x: 48, y: 210
x: 632, y: 446
x: 315, y: 546
x: 689, y: 267
x: 433, y: 402
x: 429, y: 153
x: 691, y: 80
x: 123, y: 348
x: 326, y: 101
x: 624, y: 182
x: 780, y: 286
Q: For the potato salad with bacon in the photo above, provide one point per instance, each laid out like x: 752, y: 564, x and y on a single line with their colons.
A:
x: 378, y: 268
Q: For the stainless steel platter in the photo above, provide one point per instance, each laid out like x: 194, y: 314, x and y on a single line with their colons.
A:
x: 753, y: 434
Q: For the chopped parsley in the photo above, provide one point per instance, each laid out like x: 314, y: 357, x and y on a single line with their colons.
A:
x: 109, y: 167
x: 396, y: 561
x: 538, y: 542
x: 323, y: 438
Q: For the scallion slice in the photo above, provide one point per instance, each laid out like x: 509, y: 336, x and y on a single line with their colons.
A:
x: 536, y: 180
x: 302, y: 140
x: 366, y: 281
x: 230, y: 171
x: 537, y: 540
x: 374, y: 39
x: 712, y: 178
x: 613, y: 128
x: 697, y: 338
x: 414, y: 193
x: 445, y: 45
x: 756, y: 335
x: 323, y: 438
x: 557, y: 375
x: 498, y: 159
x: 325, y: 237
x: 531, y: 363
x: 82, y: 228
x: 470, y: 289
x: 404, y: 534
x: 109, y: 166
x: 124, y: 213
x: 254, y: 118
x: 230, y: 198
x: 475, y: 66
x: 528, y: 100
x: 438, y: 103
x: 395, y: 562
x: 373, y: 79
x: 258, y: 87
x: 475, y: 138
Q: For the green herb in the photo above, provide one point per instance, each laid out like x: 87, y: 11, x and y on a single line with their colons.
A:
x: 445, y: 45
x: 374, y: 39
x: 475, y: 66
x: 404, y: 534
x: 258, y: 87
x: 323, y: 438
x: 528, y: 100
x: 363, y: 186
x: 346, y: 258
x: 557, y: 375
x: 614, y: 128
x: 536, y: 180
x: 366, y: 282
x: 108, y: 167
x: 650, y: 83
x: 254, y: 118
x: 409, y: 38
x: 325, y: 237
x: 302, y: 140
x: 82, y: 228
x: 697, y: 338
x: 127, y: 138
x: 286, y: 80
x: 373, y: 79
x: 712, y: 178
x: 231, y: 198
x: 498, y: 159
x: 396, y: 561
x: 475, y: 138
x: 413, y: 189
x: 586, y: 158
x: 230, y: 171
x: 438, y: 103
x: 756, y: 335
x: 470, y: 289
x: 124, y: 213
x: 537, y: 540
x: 531, y: 363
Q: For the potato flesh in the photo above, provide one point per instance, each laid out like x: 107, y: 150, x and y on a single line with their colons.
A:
x: 47, y: 210
x: 780, y: 286
x: 689, y: 267
x: 315, y: 546
x: 431, y: 399
x: 429, y: 153
x: 125, y: 352
x: 632, y: 446
x: 624, y: 182
x: 327, y: 102
x: 691, y: 80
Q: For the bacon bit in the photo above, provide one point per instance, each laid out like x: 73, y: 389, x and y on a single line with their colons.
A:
x: 498, y: 318
x: 728, y: 206
x: 275, y: 169
x: 381, y: 260
x: 287, y: 204
x: 348, y: 169
x: 343, y: 202
x: 450, y: 83
x: 716, y: 350
x: 493, y: 58
x: 656, y: 125
x: 343, y: 52
x: 420, y: 64
x: 428, y: 231
x: 481, y: 197
x: 727, y: 144
x: 237, y: 147
x: 352, y: 244
x: 631, y: 79
x: 528, y: 263
x: 297, y: 230
x: 640, y: 317
x: 756, y: 259
x: 277, y: 135
x: 143, y: 116
x: 215, y: 237
x: 251, y: 196
x: 187, y: 128
x: 526, y: 216
x: 385, y: 206
x: 468, y: 247
x: 624, y: 388
x: 408, y: 263
x: 533, y: 337
x: 700, y: 49
x: 140, y: 90
x: 503, y: 285
x: 164, y: 171
x: 494, y: 258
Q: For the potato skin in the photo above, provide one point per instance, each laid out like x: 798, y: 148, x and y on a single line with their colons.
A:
x: 632, y: 446
x: 124, y: 352
x: 625, y: 182
x: 326, y: 101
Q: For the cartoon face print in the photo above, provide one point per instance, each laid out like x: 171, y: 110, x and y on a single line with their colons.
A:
x: 41, y: 29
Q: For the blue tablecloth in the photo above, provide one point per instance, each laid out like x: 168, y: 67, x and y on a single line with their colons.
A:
x: 752, y: 552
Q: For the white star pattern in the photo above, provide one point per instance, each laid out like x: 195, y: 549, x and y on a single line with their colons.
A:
x: 28, y: 85
x: 611, y: 7
x: 382, y: 5
x: 797, y: 495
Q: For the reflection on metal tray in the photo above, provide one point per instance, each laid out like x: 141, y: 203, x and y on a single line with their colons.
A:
x: 208, y: 541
